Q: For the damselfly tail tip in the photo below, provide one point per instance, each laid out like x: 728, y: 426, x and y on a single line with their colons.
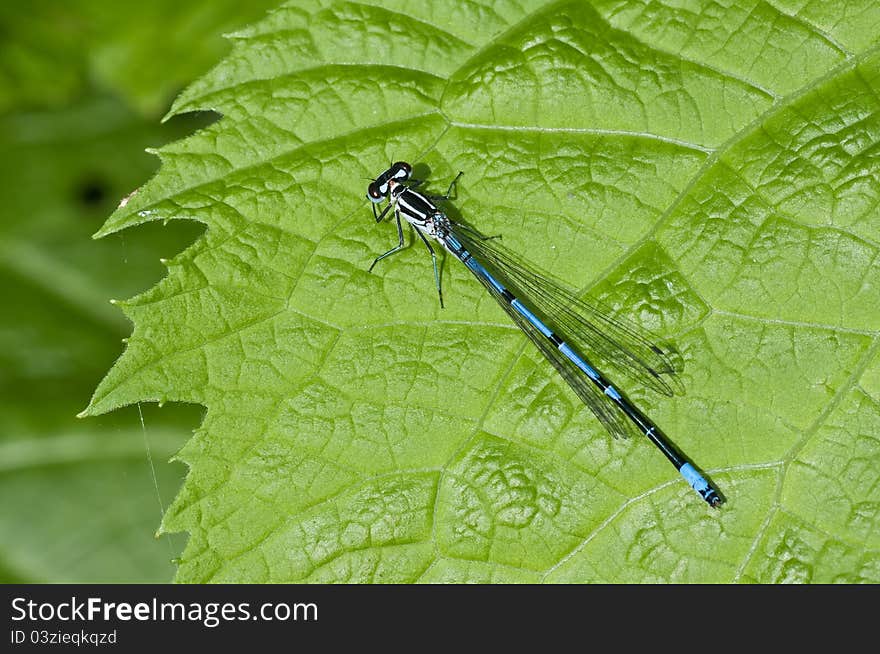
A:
x: 700, y: 484
x: 712, y: 496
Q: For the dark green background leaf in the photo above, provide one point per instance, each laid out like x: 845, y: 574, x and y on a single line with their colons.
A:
x: 80, y: 500
x: 54, y: 52
x: 82, y: 503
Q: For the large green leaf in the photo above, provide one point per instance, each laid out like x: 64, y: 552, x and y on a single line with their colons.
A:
x: 710, y: 172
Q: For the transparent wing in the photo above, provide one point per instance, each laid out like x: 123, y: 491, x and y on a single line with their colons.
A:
x: 585, y: 324
x: 599, y: 403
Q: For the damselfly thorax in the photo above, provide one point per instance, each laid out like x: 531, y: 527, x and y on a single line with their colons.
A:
x: 419, y: 211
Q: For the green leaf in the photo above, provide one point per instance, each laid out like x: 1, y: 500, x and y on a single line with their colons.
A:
x: 90, y: 482
x: 710, y: 173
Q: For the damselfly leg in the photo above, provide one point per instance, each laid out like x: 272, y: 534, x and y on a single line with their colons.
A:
x: 400, y: 245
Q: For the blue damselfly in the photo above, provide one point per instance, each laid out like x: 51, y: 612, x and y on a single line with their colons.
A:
x: 562, y: 326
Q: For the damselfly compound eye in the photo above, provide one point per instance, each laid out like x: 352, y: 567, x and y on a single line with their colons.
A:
x: 400, y: 170
x: 374, y: 194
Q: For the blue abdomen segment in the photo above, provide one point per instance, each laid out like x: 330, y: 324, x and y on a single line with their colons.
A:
x: 531, y: 317
x: 699, y: 483
x: 588, y: 370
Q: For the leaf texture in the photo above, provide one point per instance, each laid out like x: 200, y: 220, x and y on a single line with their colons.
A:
x: 709, y: 170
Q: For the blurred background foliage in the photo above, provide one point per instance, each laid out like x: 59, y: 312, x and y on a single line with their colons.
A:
x: 83, y: 87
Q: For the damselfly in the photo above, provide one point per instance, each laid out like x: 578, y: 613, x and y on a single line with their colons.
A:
x: 562, y: 326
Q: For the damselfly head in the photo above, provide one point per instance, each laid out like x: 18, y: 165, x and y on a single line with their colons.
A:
x: 398, y: 171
